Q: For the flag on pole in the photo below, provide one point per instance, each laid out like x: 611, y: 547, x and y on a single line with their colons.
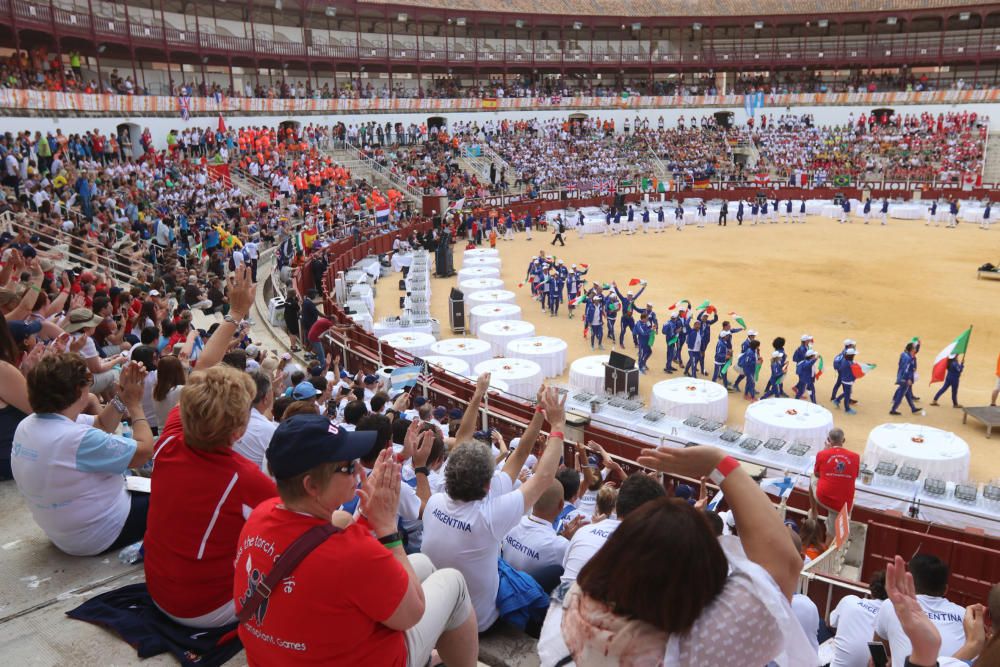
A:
x: 405, y: 377
x: 726, y: 366
x: 861, y: 370
x: 679, y: 304
x: 739, y: 319
x: 456, y: 205
x: 704, y: 305
x: 777, y: 486
x: 956, y: 347
x: 818, y: 368
x: 713, y: 504
x: 756, y: 372
x: 673, y: 341
x: 634, y: 282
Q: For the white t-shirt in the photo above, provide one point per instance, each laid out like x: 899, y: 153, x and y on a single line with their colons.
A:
x: 854, y: 619
x: 585, y: 543
x: 71, y: 476
x: 587, y: 504
x: 89, y: 349
x: 467, y: 535
x: 944, y: 614
x: 808, y: 616
x: 253, y: 443
x: 533, y: 545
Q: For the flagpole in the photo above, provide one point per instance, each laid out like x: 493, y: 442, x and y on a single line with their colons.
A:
x: 967, y: 346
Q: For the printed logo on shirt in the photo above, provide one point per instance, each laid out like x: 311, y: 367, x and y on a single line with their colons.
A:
x: 523, y: 548
x: 255, y: 579
x: 452, y: 522
x: 944, y: 616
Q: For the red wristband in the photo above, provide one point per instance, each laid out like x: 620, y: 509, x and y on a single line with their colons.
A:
x: 726, y: 466
x: 557, y: 434
x: 539, y: 408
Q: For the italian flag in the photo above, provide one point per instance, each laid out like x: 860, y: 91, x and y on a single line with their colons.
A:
x: 680, y: 304
x: 818, y: 369
x: 861, y: 370
x: 956, y: 346
x: 739, y: 319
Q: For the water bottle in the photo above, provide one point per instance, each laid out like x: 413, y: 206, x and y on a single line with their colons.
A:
x: 131, y: 554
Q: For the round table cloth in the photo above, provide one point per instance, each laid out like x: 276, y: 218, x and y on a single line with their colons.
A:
x: 587, y: 373
x: 470, y: 287
x: 683, y: 397
x: 478, y: 272
x: 450, y: 364
x: 362, y: 292
x: 789, y: 419
x: 903, y: 211
x: 384, y: 328
x: 523, y: 377
x: 401, y: 259
x: 547, y: 351
x: 471, y: 350
x: 487, y: 312
x: 490, y: 296
x: 469, y: 262
x: 481, y: 252
x: 500, y: 332
x: 416, y: 343
x: 363, y: 320
x: 496, y: 386
x: 938, y: 454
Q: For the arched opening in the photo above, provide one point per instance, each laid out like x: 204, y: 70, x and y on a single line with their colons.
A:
x: 578, y: 116
x: 437, y: 121
x: 289, y: 128
x: 129, y: 140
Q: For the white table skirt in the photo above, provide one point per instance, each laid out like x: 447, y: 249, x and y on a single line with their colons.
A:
x: 937, y: 453
x: 789, y: 419
x: 684, y: 397
x: 587, y: 373
x: 415, y: 343
x: 383, y: 328
x: 358, y: 306
x: 523, y: 377
x: 364, y: 320
x: 481, y: 252
x: 469, y: 262
x: 487, y: 312
x: 472, y: 350
x: 371, y: 266
x: 401, y: 259
x: 833, y: 210
x: 814, y: 206
x: 470, y: 287
x: 547, y: 351
x: 496, y: 385
x: 478, y: 272
x: 903, y: 211
x: 363, y: 293
x: 500, y: 332
x: 490, y: 296
x: 968, y: 212
x: 450, y: 364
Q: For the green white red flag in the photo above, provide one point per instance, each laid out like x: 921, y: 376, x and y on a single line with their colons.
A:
x: 956, y: 347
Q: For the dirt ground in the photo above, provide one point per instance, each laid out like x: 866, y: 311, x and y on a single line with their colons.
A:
x: 878, y: 285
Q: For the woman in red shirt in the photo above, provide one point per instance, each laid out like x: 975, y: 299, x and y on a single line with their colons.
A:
x: 356, y: 599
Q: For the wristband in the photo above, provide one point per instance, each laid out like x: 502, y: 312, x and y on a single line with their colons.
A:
x: 557, y: 434
x: 421, y: 470
x: 392, y: 545
x: 539, y: 408
x: 726, y: 466
x: 391, y: 537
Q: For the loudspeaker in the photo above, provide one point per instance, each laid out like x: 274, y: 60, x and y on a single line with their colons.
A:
x: 456, y: 310
x: 621, y: 361
x: 620, y: 202
x: 618, y: 381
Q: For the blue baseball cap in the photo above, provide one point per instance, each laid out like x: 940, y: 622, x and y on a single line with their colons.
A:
x: 455, y: 413
x: 304, y: 441
x: 20, y: 330
x: 304, y: 391
x: 419, y: 401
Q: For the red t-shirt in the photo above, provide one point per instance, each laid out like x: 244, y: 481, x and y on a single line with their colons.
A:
x: 316, y: 331
x: 199, y: 503
x: 330, y: 610
x: 836, y: 468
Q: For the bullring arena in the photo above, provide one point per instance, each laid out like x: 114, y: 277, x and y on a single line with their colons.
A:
x: 249, y: 247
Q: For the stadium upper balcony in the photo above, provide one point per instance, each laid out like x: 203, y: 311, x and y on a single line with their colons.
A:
x: 547, y: 35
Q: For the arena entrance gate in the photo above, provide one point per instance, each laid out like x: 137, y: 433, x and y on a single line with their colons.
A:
x: 129, y: 139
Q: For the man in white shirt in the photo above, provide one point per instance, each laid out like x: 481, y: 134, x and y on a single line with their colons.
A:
x: 533, y: 546
x: 588, y: 540
x: 463, y: 527
x: 930, y: 579
x: 854, y: 621
x: 808, y: 616
x: 257, y: 436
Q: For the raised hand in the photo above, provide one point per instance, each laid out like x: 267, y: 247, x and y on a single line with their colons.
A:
x: 379, y: 494
x: 695, y: 462
x: 483, y: 382
x: 241, y: 290
x: 922, y: 633
x: 422, y: 452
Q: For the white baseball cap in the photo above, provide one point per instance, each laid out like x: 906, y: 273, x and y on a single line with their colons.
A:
x: 811, y: 353
x: 806, y: 337
x: 850, y: 351
x: 848, y: 341
x: 154, y: 292
x: 751, y: 332
x: 776, y: 354
x: 724, y: 333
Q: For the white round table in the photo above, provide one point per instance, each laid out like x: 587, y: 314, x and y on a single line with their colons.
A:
x: 401, y: 259
x: 450, y: 364
x: 587, y: 373
x: 685, y: 397
x: 469, y: 262
x: 384, y: 328
x: 491, y: 296
x: 481, y: 252
x: 487, y: 312
x: 500, y: 332
x: 471, y: 350
x: 413, y: 342
x: 470, y: 287
x: 478, y: 272
x: 937, y: 453
x: 903, y: 211
x: 363, y: 292
x: 495, y: 384
x: 789, y: 419
x: 547, y: 351
x: 523, y: 377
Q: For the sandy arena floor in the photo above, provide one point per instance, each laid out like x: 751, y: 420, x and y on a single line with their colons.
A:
x: 878, y: 285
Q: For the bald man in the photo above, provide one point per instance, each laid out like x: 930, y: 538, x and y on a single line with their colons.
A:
x: 534, y: 547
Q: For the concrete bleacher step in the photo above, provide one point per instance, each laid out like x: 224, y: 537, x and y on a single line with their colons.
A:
x: 506, y: 646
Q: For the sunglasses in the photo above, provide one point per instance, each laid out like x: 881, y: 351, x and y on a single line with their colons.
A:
x: 349, y: 468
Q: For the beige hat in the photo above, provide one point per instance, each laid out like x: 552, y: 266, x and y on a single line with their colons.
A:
x: 81, y: 318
